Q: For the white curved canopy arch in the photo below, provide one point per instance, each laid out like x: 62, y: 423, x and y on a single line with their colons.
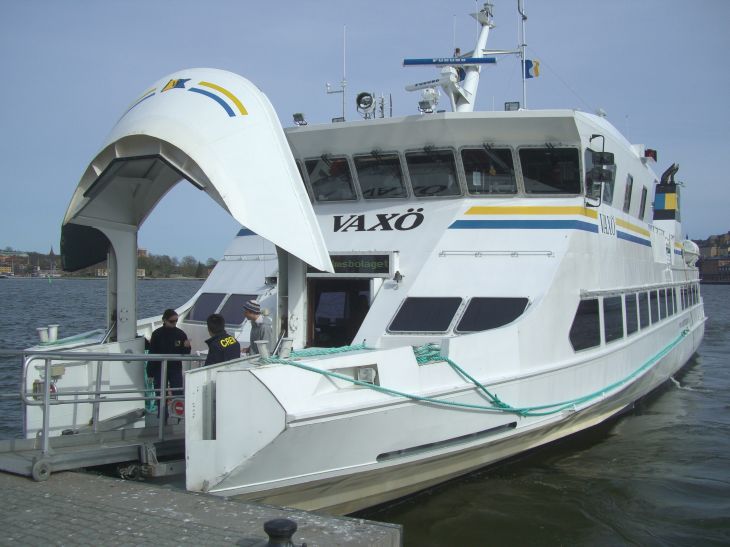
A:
x: 218, y: 131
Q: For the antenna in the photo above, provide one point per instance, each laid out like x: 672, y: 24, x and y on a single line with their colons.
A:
x: 343, y: 83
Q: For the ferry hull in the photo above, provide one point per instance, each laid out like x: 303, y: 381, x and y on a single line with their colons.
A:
x: 347, y: 490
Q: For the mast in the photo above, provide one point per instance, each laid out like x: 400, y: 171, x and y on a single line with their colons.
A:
x: 523, y: 45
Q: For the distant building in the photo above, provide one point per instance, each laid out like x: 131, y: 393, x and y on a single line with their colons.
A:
x: 714, y: 263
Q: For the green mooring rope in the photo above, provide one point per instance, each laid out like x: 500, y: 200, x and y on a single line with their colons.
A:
x: 430, y: 353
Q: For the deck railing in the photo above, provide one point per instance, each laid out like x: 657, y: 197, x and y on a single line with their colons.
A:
x: 95, y: 396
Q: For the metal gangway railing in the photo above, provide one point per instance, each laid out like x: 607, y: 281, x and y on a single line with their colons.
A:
x: 41, y: 455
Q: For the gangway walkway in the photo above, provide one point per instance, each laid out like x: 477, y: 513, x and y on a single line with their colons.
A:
x: 154, y: 449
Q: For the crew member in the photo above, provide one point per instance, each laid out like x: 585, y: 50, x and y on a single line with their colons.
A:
x: 168, y: 339
x: 221, y: 345
x: 260, y: 328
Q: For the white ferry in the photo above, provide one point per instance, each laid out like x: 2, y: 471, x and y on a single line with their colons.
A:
x: 458, y: 287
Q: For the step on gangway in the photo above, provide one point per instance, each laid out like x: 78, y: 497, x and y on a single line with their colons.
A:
x: 154, y: 450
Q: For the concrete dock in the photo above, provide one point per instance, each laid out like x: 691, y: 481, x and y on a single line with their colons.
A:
x: 84, y: 509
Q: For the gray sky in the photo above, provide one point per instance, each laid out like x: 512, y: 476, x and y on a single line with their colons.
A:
x: 657, y: 67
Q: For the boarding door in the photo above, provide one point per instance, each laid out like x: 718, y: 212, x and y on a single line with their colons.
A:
x: 337, y: 308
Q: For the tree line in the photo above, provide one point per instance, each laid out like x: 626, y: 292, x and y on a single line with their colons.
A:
x: 153, y: 265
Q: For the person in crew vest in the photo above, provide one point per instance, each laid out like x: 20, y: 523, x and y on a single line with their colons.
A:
x: 221, y: 345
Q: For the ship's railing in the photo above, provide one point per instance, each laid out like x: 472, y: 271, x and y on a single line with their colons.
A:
x: 96, y: 396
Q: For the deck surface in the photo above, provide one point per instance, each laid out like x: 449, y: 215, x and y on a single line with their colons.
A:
x: 84, y: 509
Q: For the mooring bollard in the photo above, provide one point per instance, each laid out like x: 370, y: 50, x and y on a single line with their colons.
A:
x: 280, y: 532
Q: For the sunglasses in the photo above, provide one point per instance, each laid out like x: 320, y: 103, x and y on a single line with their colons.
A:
x: 172, y: 320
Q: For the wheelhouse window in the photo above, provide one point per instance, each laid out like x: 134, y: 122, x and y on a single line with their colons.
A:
x: 484, y: 313
x: 433, y: 173
x: 425, y: 314
x: 550, y: 170
x: 613, y: 322
x: 330, y: 179
x: 206, y: 304
x: 380, y: 176
x: 632, y: 319
x: 489, y: 171
x: 585, y: 332
x: 627, y: 195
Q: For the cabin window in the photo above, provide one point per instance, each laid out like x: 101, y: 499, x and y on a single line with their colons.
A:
x: 585, y: 332
x: 206, y: 304
x: 550, y: 170
x: 613, y: 321
x: 489, y: 171
x: 662, y: 303
x: 433, y: 173
x: 670, y: 301
x: 627, y: 195
x: 643, y: 310
x: 642, y: 206
x: 632, y: 320
x: 380, y: 176
x: 330, y: 179
x: 232, y: 310
x: 425, y: 314
x: 484, y: 313
x: 654, y: 306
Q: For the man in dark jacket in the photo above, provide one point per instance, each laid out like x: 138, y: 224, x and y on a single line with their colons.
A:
x: 168, y: 339
x: 221, y: 345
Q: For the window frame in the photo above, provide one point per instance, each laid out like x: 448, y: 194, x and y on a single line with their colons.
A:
x: 354, y: 186
x: 614, y: 337
x: 628, y: 193
x: 458, y: 178
x: 598, y: 326
x: 468, y: 302
x: 519, y: 190
x: 522, y: 177
x: 456, y: 314
x: 403, y: 172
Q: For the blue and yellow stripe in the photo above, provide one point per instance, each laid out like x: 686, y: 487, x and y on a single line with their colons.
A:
x: 528, y: 224
x: 632, y: 232
x: 218, y: 99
